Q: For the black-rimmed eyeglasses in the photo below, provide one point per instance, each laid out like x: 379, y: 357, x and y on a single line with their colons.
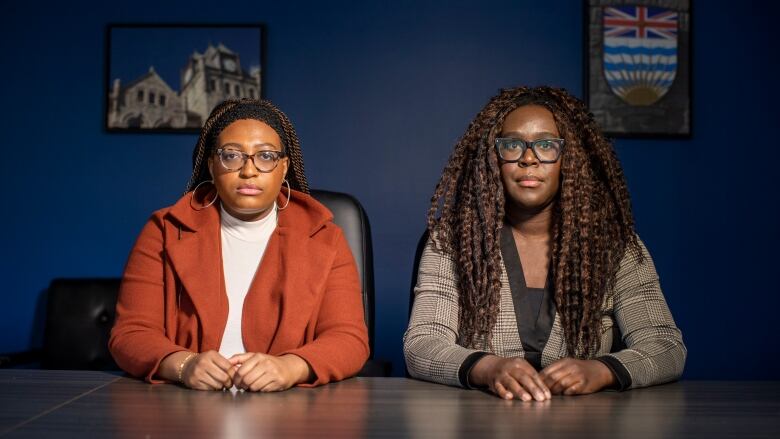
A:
x: 511, y: 150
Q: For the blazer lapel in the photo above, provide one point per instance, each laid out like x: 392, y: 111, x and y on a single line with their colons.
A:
x: 197, y: 261
x: 279, y: 305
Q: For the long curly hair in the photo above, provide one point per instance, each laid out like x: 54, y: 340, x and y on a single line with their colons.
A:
x: 232, y: 110
x: 592, y: 226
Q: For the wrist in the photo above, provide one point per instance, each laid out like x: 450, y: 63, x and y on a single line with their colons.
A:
x: 605, y: 378
x: 478, y: 376
x: 299, y: 369
x: 183, y: 364
x: 169, y: 366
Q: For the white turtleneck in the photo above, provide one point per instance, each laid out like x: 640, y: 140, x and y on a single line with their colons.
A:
x: 243, y: 245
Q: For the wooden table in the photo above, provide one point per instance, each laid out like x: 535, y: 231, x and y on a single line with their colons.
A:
x: 37, y: 403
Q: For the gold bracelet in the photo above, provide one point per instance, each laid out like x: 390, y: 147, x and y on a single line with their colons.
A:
x: 181, y: 366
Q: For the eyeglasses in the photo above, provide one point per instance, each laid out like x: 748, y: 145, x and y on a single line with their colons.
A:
x: 264, y: 161
x: 512, y: 150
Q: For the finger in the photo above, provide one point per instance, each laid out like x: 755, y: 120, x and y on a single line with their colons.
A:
x: 539, y: 382
x: 274, y: 384
x: 531, y: 387
x: 240, y: 358
x: 245, y: 369
x: 501, y: 391
x: 220, y: 361
x: 261, y: 381
x: 207, y: 381
x: 552, y: 368
x: 219, y: 376
x: 568, y: 381
x: 232, y: 372
x: 574, y: 389
x: 557, y: 388
x: 517, y: 390
x: 554, y: 381
x: 252, y: 377
x: 548, y: 380
x: 525, y: 370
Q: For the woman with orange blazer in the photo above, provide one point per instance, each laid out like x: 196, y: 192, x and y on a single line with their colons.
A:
x: 242, y: 283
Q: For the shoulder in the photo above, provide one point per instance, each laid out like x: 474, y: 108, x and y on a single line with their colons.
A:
x: 178, y: 217
x: 436, y: 264
x: 306, y: 216
x: 636, y: 267
x: 636, y: 256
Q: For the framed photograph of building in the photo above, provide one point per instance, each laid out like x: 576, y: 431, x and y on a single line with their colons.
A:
x: 168, y: 77
x: 638, y: 66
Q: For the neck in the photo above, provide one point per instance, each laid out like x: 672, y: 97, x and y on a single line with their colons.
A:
x: 249, y: 216
x: 531, y: 223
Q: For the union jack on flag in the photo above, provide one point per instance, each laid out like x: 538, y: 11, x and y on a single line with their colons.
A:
x: 640, y: 22
x: 640, y: 52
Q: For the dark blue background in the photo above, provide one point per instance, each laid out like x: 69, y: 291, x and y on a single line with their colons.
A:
x: 167, y: 49
x: 379, y: 94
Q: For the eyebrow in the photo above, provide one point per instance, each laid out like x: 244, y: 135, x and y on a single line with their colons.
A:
x: 535, y: 136
x: 238, y: 145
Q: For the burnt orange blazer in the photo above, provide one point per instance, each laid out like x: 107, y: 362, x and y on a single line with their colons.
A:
x: 305, y: 298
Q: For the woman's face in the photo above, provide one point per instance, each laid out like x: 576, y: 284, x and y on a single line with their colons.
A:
x: 530, y: 186
x: 247, y: 193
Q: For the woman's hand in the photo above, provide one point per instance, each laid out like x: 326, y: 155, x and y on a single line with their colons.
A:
x: 568, y: 376
x: 509, y: 378
x: 266, y: 373
x: 205, y: 371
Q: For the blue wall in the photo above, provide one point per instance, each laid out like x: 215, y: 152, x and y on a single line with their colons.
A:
x: 379, y: 95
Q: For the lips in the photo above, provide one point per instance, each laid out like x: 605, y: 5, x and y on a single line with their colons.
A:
x: 249, y: 189
x: 529, y: 181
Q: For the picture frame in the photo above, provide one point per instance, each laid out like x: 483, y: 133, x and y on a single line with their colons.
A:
x: 638, y: 67
x: 168, y: 77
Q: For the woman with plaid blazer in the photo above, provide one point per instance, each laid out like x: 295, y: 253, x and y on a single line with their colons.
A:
x: 534, y: 281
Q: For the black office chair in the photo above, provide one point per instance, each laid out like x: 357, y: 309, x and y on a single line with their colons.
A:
x: 349, y: 214
x: 79, y: 317
x: 81, y: 312
x: 416, y: 267
x: 415, y: 271
x: 78, y: 320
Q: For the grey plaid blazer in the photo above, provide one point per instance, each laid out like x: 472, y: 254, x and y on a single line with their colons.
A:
x: 654, y: 351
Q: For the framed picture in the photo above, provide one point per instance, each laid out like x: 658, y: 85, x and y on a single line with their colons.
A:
x: 168, y: 77
x: 638, y: 66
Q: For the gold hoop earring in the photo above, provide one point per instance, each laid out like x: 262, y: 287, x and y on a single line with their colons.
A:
x: 192, y: 197
x: 289, y: 195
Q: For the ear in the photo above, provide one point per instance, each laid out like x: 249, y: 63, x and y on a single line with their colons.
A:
x: 211, y: 167
x: 285, y: 166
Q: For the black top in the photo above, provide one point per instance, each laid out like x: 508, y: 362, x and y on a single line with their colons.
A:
x: 534, y: 307
x: 535, y: 315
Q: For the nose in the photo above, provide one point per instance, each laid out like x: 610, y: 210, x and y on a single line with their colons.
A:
x: 249, y: 169
x: 528, y: 159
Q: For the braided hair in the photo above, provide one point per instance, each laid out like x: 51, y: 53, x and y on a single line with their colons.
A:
x: 232, y: 110
x: 592, y: 225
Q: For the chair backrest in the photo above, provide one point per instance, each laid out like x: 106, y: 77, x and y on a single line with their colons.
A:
x: 416, y: 267
x: 349, y: 214
x: 79, y: 317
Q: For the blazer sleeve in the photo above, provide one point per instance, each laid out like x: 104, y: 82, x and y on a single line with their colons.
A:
x: 138, y: 342
x: 431, y: 341
x: 655, y: 352
x: 340, y: 344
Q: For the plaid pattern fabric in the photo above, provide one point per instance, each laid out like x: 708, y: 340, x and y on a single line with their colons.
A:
x: 655, y: 351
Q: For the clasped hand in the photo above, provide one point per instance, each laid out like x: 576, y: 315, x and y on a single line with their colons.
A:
x: 515, y: 378
x: 249, y: 371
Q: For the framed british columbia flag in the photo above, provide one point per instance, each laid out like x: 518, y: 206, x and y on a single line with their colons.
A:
x: 638, y: 66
